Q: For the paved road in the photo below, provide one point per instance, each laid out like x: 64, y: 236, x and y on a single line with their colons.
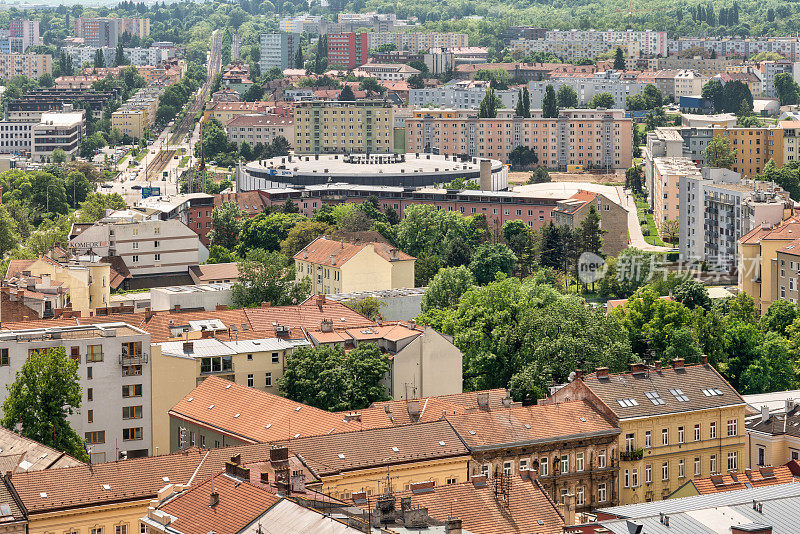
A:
x: 634, y: 227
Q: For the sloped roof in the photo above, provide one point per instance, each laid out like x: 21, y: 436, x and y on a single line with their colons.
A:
x: 20, y: 454
x: 214, y: 271
x: 691, y: 380
x: 306, y: 315
x: 749, y: 478
x: 324, y: 251
x: 788, y: 229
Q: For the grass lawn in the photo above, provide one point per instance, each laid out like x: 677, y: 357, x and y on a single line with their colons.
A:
x: 184, y: 161
x: 653, y: 239
x: 142, y: 153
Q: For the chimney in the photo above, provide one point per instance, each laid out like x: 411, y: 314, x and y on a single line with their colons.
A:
x: 764, y: 414
x: 677, y: 363
x: 352, y: 416
x: 602, y: 372
x: 206, y: 334
x: 222, y: 307
x: 188, y: 346
x: 297, y: 482
x: 790, y: 405
x: 278, y: 454
x: 265, y: 304
x: 148, y: 314
x: 236, y: 460
x: 453, y: 526
x: 568, y: 509
x: 704, y: 359
x: 320, y: 301
x: 479, y: 481
x: 413, y: 408
x: 657, y: 365
x: 483, y: 401
x: 214, y: 499
x: 326, y: 325
x: 637, y: 367
x: 177, y: 307
x: 412, y: 324
x: 578, y: 374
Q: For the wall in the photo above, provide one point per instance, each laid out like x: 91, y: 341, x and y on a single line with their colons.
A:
x: 82, y: 520
x: 430, y: 365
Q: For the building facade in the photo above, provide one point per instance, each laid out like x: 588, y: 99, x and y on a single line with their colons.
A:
x: 347, y: 49
x: 365, y: 126
x: 28, y: 65
x: 418, y: 41
x: 611, y: 82
x: 278, y: 50
x: 259, y: 128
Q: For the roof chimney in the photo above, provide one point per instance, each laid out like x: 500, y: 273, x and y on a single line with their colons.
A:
x: 602, y: 372
x: 704, y: 359
x: 483, y: 401
x: 677, y: 363
x: 188, y: 346
x: 637, y: 367
x: 578, y: 374
x: 657, y: 365
x: 265, y: 304
x: 214, y: 499
x: 764, y: 414
x: 326, y: 325
x: 320, y: 301
x: 413, y: 408
x: 478, y: 481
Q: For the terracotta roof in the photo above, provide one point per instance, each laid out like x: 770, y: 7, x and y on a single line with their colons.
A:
x: 262, y: 416
x: 396, y: 412
x: 16, y: 267
x: 21, y: 454
x: 529, y: 510
x: 788, y: 229
x: 250, y: 202
x: 614, y: 303
x: 324, y: 251
x: 240, y: 503
x: 306, y: 315
x: 791, y: 248
x: 337, y: 453
x: 681, y: 390
x: 531, y: 424
x: 749, y: 478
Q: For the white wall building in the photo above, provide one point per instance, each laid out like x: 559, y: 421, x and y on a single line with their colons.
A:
x: 136, y: 56
x: 201, y: 297
x: 463, y: 94
x: 114, y: 372
x: 601, y: 82
x: 62, y: 130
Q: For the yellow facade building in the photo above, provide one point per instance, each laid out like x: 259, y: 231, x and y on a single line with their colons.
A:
x: 340, y: 267
x: 773, y: 438
x: 364, y: 126
x: 676, y: 423
x: 754, y: 148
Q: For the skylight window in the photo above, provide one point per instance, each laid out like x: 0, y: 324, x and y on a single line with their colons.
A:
x: 210, y: 406
x: 106, y: 487
x: 236, y: 416
x: 395, y: 449
x: 627, y: 403
x: 654, y: 397
x: 43, y: 495
x: 583, y: 419
x: 190, y: 399
x: 678, y: 394
x: 711, y: 392
x: 296, y: 436
x: 298, y: 408
x: 441, y: 443
x: 341, y: 456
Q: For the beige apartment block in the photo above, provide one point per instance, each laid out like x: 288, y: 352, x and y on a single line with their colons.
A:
x: 365, y: 126
x: 28, y: 65
x: 340, y: 267
x: 667, y: 173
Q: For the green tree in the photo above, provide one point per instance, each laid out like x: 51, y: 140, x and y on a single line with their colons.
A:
x: 692, y: 294
x: 446, y: 288
x: 590, y: 233
x: 303, y: 233
x: 720, y: 153
x: 77, y: 188
x: 99, y: 59
x: 773, y: 370
x: 522, y: 157
x: 299, y: 60
x: 347, y: 95
x: 779, y: 316
x: 226, y: 224
x: 266, y: 230
x: 371, y: 86
x: 549, y: 104
x: 489, y: 105
x: 602, y: 100
x: 787, y: 89
x: 58, y: 156
x: 329, y: 378
x: 268, y: 277
x: 539, y: 176
x: 713, y: 91
x: 45, y: 392
x: 489, y: 260
x: 567, y: 97
x: 619, y: 59
x: 634, y: 179
x: 9, y: 233
x: 119, y: 56
x: 369, y: 307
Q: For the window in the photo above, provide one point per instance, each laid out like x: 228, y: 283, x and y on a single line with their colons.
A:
x: 90, y: 416
x: 96, y: 530
x: 249, y: 357
x: 216, y: 364
x: 523, y: 464
x: 74, y: 353
x: 665, y: 436
x: 579, y: 461
x: 761, y: 455
x: 697, y: 467
x: 276, y: 357
x: 156, y: 244
x: 601, y: 459
x: 543, y: 467
x: 564, y: 492
x: 601, y: 493
x: 680, y: 434
x: 94, y: 353
x: 268, y: 380
x: 89, y: 394
x: 712, y: 430
x: 565, y: 463
x: 634, y: 478
x: 4, y: 357
x: 648, y: 474
x: 580, y: 495
x: 96, y: 437
x: 135, y: 259
x: 121, y: 529
x: 508, y: 468
x: 627, y: 403
x: 133, y: 390
x: 630, y: 442
x: 88, y: 373
x: 731, y: 427
x: 648, y: 439
x: 131, y: 412
x: 654, y: 397
x: 135, y: 433
x: 157, y: 257
x: 712, y: 464
x: 626, y: 479
x: 697, y: 432
x: 485, y: 470
x: 681, y: 468
x: 131, y: 370
x: 733, y: 462
x: 250, y: 381
x: 665, y: 471
x: 678, y: 394
x: 450, y: 481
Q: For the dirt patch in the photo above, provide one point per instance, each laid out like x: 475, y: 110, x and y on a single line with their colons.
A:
x: 612, y: 177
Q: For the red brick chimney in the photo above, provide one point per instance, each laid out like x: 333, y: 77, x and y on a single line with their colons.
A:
x: 677, y: 363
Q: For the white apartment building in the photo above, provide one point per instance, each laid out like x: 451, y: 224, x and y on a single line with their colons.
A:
x: 417, y: 41
x: 463, y: 94
x: 15, y: 137
x: 571, y: 50
x: 278, y: 50
x: 148, y: 246
x: 301, y: 23
x: 62, y: 130
x: 262, y: 129
x: 688, y: 83
x: 600, y: 82
x: 788, y: 47
x: 649, y: 42
x: 114, y: 372
x: 136, y: 56
x: 772, y: 68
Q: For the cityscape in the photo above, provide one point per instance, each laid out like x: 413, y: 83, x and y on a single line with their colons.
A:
x: 434, y: 268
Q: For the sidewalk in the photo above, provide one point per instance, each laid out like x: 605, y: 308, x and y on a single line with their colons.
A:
x: 634, y: 228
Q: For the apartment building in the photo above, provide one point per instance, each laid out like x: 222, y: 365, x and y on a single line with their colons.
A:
x: 105, y: 31
x: 301, y: 23
x: 418, y: 41
x: 667, y: 176
x: 688, y: 83
x: 386, y: 71
x: 649, y: 42
x: 225, y: 111
x: 27, y: 31
x: 138, y: 114
x: 30, y: 106
x: 754, y: 148
x: 347, y: 49
x: 461, y: 94
x: 586, y: 137
x: 572, y: 50
x: 113, y: 367
x: 28, y: 65
x: 259, y: 128
x: 612, y: 82
x: 147, y: 245
x: 772, y: 68
x: 758, y: 260
x: 365, y: 126
x: 278, y: 50
x: 704, y: 67
x: 660, y: 143
x: 676, y: 423
x: 773, y: 437
x: 726, y: 47
x: 54, y: 130
x: 613, y: 218
x: 152, y: 56
x: 339, y: 267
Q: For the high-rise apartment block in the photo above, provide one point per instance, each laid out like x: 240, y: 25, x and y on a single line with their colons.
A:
x: 364, y: 126
x: 105, y: 31
x: 278, y: 50
x: 25, y: 30
x: 348, y: 49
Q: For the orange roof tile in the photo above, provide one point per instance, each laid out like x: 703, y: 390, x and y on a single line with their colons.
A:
x: 324, y: 251
x: 764, y: 476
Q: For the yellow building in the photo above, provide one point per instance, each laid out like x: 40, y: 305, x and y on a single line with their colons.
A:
x: 138, y: 114
x: 87, y: 286
x: 364, y: 126
x: 676, y: 423
x: 754, y: 148
x: 758, y: 257
x: 774, y: 437
x: 791, y: 141
x: 340, y: 267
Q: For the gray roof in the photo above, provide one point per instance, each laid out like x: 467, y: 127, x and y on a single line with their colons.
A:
x: 215, y: 347
x: 713, y: 513
x: 629, y: 394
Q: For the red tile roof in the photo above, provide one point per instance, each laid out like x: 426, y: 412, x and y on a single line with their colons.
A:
x: 324, y: 251
x: 307, y: 315
x: 749, y: 478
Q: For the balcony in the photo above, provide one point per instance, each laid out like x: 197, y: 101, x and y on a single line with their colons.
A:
x: 631, y: 455
x: 133, y: 359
